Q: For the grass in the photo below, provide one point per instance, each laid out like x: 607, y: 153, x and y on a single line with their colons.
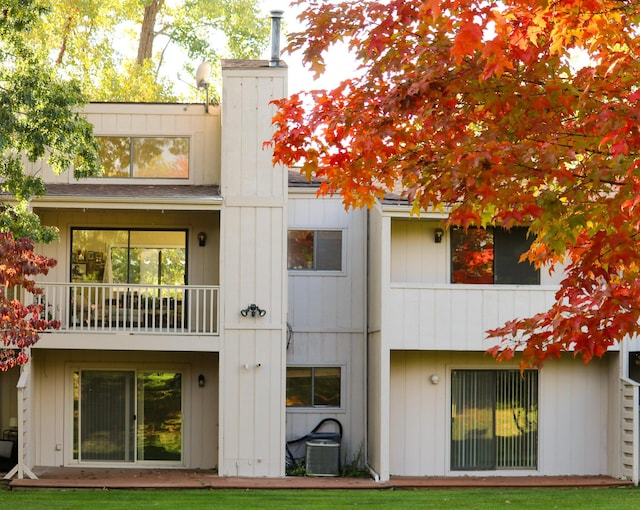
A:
x: 469, y: 499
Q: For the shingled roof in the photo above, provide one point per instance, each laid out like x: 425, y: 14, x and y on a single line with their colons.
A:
x: 140, y: 191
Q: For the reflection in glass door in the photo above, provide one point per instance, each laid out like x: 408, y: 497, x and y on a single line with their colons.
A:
x: 121, y: 416
x: 159, y: 416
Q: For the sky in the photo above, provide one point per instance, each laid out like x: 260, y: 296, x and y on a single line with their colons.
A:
x: 339, y: 63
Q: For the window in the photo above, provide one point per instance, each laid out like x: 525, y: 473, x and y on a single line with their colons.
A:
x: 127, y: 416
x: 313, y: 386
x: 494, y: 419
x: 315, y: 250
x: 144, y: 157
x: 154, y: 257
x: 491, y: 256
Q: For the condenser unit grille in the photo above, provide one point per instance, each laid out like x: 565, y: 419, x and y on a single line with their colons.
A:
x: 323, y: 458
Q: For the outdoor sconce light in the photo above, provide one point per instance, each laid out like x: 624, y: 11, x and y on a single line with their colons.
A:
x: 253, y: 310
x: 438, y: 235
x: 202, y: 238
x: 434, y: 379
x: 201, y: 380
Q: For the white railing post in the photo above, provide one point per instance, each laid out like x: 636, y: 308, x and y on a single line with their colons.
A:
x: 132, y: 308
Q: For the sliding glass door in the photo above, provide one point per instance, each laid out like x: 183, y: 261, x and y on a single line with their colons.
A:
x: 147, y: 257
x: 127, y: 416
x: 494, y: 419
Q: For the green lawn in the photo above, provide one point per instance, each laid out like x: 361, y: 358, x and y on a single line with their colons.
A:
x: 469, y: 499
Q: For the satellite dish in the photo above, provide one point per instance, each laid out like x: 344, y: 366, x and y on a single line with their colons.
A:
x: 202, y: 75
x: 202, y: 81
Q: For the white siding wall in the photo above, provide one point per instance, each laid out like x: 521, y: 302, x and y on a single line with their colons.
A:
x: 327, y: 314
x: 203, y: 263
x: 417, y: 258
x: 456, y: 317
x: 377, y: 352
x: 573, y: 414
x: 158, y: 120
x: 52, y: 416
x: 253, y: 261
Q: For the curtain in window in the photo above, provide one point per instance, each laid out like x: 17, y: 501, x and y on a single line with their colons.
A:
x: 494, y: 419
x: 107, y: 410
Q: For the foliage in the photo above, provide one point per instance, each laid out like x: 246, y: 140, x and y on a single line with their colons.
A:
x: 119, y: 48
x: 356, y: 467
x: 518, y: 112
x: 39, y: 121
x: 20, y: 324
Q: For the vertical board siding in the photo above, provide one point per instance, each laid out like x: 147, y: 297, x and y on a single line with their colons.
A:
x: 253, y: 251
x: 573, y: 406
x: 51, y: 422
x: 331, y: 349
x: 203, y: 263
x: 456, y: 317
x: 157, y: 120
x: 327, y: 315
x: 329, y: 302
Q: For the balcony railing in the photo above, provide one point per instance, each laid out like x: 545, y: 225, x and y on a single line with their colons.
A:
x: 128, y: 308
x: 456, y: 317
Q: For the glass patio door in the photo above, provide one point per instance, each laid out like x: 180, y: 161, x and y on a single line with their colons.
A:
x: 105, y: 415
x: 127, y: 416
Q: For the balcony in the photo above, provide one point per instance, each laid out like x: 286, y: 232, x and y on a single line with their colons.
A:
x: 132, y: 309
x: 456, y: 317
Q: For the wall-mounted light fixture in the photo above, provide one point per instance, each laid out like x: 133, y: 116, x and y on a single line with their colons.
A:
x: 253, y: 310
x: 201, y: 380
x: 434, y: 379
x: 202, y: 238
x: 438, y: 235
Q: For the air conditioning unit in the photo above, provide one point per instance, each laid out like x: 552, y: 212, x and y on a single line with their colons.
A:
x: 323, y: 458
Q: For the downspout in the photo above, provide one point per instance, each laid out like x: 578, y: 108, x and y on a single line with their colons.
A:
x: 367, y: 257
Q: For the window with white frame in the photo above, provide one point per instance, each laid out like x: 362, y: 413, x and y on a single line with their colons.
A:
x: 494, y: 419
x: 315, y: 250
x: 157, y: 157
x: 314, y: 387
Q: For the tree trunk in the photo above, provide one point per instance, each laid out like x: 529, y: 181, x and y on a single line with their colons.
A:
x: 145, y: 45
x: 65, y: 38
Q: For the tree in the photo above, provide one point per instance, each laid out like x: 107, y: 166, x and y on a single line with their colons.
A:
x: 518, y: 112
x: 20, y: 324
x: 39, y: 122
x: 95, y: 41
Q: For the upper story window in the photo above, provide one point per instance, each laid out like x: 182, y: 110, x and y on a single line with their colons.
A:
x: 149, y: 157
x: 149, y: 257
x: 491, y: 255
x: 315, y: 250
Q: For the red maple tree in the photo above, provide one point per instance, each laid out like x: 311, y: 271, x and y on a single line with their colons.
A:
x: 518, y: 112
x: 20, y: 324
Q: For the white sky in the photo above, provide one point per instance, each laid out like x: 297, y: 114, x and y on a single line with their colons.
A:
x: 339, y: 63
